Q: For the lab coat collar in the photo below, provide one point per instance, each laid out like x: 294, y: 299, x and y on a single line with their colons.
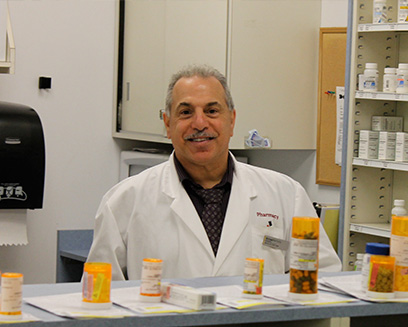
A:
x: 237, y: 215
x: 182, y: 205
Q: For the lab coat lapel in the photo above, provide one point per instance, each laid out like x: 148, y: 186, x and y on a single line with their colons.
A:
x: 182, y: 206
x: 237, y: 216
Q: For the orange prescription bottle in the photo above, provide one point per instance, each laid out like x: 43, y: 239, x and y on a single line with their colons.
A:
x: 11, y: 296
x: 399, y: 250
x: 253, y: 278
x: 304, y: 250
x: 150, y: 287
x: 96, y: 285
x: 381, y: 277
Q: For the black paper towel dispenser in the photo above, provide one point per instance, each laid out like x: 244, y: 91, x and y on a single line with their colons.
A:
x: 22, y: 157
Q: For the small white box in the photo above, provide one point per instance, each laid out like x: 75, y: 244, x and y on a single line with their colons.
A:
x: 368, y: 145
x: 386, y: 145
x: 188, y: 297
x: 387, y: 123
x: 401, y: 147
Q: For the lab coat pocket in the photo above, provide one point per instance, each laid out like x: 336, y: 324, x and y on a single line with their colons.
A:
x: 268, y: 243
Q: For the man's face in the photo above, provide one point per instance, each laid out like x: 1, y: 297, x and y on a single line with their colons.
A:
x: 200, y: 123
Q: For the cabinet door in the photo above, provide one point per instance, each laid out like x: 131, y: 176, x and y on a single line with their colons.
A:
x: 273, y: 71
x: 160, y: 37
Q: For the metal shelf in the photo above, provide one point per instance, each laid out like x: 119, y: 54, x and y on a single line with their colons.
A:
x: 395, y: 27
x: 392, y: 165
x: 381, y: 96
x: 382, y: 230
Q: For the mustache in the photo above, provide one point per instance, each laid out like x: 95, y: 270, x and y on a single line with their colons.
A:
x: 199, y: 135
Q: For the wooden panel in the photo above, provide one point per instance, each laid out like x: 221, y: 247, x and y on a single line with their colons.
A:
x: 332, y: 60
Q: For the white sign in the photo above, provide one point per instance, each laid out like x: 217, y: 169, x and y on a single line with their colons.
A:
x: 339, y: 129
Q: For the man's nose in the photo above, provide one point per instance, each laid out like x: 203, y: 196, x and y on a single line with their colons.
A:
x: 200, y: 120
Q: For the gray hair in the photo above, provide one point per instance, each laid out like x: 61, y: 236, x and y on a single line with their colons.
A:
x: 203, y: 71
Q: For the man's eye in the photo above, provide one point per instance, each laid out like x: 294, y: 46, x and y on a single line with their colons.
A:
x: 185, y: 112
x: 212, y: 111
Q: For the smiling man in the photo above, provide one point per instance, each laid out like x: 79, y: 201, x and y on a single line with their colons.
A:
x: 202, y: 212
x: 200, y: 125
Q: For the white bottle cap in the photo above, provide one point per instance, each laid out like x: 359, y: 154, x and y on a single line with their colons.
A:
x: 398, y: 202
x: 389, y: 70
x: 371, y: 65
x: 403, y: 66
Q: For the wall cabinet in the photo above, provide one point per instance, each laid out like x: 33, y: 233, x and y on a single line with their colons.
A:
x: 267, y: 49
x: 370, y: 186
x: 159, y: 37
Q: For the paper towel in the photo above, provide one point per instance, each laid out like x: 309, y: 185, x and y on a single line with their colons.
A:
x: 13, y: 227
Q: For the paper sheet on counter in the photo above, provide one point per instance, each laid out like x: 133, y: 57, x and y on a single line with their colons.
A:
x: 231, y: 296
x: 351, y: 285
x: 26, y: 317
x: 13, y: 227
x: 280, y: 292
x: 70, y: 305
x: 129, y: 298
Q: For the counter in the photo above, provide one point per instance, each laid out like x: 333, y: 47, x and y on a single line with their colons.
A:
x: 360, y: 313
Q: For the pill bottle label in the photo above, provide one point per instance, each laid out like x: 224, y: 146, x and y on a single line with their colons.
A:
x: 253, y: 277
x: 402, y: 11
x: 151, y: 277
x: 304, y: 254
x: 380, y: 12
x: 96, y: 282
x: 381, y: 277
x: 11, y: 294
x: 304, y: 257
x: 402, y: 83
x: 365, y: 271
x: 370, y: 84
x: 399, y: 249
x: 390, y: 83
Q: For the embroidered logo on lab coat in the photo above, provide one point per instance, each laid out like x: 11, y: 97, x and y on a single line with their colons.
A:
x: 268, y: 215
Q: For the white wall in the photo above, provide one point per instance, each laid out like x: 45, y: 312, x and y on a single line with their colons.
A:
x: 73, y: 42
x: 334, y: 13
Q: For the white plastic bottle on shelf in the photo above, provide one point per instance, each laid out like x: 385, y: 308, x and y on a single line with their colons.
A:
x: 402, y: 78
x: 390, y: 80
x: 370, y: 77
x: 380, y: 12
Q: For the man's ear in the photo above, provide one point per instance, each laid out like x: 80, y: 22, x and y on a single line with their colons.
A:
x: 233, y: 116
x: 166, y: 120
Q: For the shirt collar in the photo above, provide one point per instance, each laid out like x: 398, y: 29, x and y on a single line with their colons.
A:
x: 186, y: 178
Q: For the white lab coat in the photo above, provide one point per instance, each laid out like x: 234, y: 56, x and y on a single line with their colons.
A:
x: 150, y: 215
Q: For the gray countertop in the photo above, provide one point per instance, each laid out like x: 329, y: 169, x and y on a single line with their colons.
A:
x: 362, y: 311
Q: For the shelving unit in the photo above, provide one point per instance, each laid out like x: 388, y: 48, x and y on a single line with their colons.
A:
x: 370, y: 186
